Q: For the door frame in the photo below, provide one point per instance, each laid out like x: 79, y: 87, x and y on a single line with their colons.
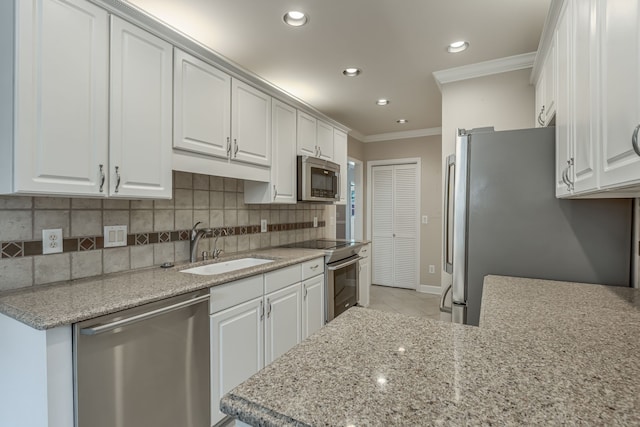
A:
x: 359, y: 216
x: 393, y: 162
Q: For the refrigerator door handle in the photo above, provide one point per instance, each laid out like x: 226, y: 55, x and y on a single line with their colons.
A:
x: 444, y: 308
x: 448, y: 262
x: 460, y: 204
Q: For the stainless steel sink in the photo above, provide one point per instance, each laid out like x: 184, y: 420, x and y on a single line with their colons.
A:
x: 226, y: 266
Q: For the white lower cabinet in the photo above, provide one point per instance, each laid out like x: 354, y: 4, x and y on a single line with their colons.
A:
x: 313, y: 313
x: 364, y: 278
x: 236, y: 350
x: 257, y: 319
x: 283, y: 321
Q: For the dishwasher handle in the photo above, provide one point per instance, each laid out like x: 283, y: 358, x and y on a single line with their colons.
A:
x: 95, y: 330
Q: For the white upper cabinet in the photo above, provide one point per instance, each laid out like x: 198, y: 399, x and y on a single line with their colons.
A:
x: 620, y: 92
x: 140, y: 113
x: 340, y: 157
x: 307, y: 137
x: 250, y: 124
x: 57, y: 89
x: 282, y: 186
x: 202, y: 106
x: 324, y: 140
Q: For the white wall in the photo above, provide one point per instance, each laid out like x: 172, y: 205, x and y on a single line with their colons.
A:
x: 504, y: 101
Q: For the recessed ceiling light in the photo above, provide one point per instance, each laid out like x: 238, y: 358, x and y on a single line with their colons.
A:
x: 458, y: 46
x: 402, y: 121
x: 295, y: 18
x: 351, y: 72
x: 382, y: 101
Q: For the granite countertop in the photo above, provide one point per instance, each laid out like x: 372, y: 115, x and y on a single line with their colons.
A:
x: 68, y: 302
x: 546, y: 353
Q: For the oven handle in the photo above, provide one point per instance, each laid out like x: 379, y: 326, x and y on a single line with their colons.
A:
x: 344, y: 264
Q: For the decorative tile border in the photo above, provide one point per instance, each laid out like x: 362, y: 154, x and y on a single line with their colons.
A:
x: 20, y: 249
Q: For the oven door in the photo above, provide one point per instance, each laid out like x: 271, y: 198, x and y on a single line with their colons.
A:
x: 342, y: 286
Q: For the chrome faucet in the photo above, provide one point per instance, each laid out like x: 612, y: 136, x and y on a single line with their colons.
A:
x: 216, y: 252
x: 196, y: 235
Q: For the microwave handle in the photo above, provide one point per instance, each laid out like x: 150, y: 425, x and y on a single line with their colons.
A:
x: 448, y: 264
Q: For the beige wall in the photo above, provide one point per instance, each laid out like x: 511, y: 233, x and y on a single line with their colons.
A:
x: 428, y: 149
x: 504, y: 101
x: 355, y: 148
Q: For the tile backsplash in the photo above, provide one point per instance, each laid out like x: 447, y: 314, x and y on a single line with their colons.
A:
x: 158, y: 230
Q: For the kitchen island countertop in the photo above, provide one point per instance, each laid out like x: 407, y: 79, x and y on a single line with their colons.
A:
x: 546, y: 353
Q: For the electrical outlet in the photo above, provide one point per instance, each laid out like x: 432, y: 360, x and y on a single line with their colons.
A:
x: 425, y: 219
x: 52, y: 241
x: 115, y: 235
x: 315, y: 221
x: 263, y: 225
x: 432, y: 269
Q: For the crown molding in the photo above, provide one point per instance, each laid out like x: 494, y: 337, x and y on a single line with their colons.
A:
x: 357, y: 135
x: 392, y: 136
x: 486, y: 68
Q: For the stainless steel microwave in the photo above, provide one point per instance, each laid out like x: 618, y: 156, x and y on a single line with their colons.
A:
x: 318, y: 180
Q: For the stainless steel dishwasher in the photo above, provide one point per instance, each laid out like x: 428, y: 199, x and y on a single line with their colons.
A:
x: 146, y: 366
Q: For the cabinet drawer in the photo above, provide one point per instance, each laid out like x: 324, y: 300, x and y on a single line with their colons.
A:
x: 278, y: 279
x: 234, y: 293
x: 312, y: 268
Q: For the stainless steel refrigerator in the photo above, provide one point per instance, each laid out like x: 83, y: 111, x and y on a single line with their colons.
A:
x: 502, y: 217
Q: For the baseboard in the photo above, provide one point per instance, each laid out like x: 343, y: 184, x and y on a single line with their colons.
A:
x: 428, y: 289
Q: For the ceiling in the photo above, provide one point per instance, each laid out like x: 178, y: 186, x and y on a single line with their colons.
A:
x: 398, y: 44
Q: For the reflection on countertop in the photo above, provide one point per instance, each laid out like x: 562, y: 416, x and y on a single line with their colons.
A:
x: 546, y: 353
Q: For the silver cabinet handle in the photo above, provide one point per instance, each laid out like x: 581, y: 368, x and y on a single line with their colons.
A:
x: 313, y: 267
x: 95, y: 330
x: 268, y: 308
x: 275, y: 192
x: 117, y: 179
x: 261, y: 309
x: 102, y: 178
x: 235, y: 148
x: 305, y: 291
x: 569, y: 165
x: 540, y: 119
x: 634, y: 140
x: 228, y: 147
x: 564, y: 176
x: 443, y: 308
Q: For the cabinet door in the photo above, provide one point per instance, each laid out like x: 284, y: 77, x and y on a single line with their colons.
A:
x: 313, y: 300
x: 324, y: 140
x: 563, y: 106
x: 620, y: 92
x: 236, y: 349
x: 61, y: 94
x: 140, y: 112
x: 283, y: 162
x: 283, y: 321
x: 364, y: 281
x: 549, y: 87
x: 540, y: 93
x: 202, y: 106
x: 250, y: 124
x: 583, y: 91
x: 306, y: 140
x: 340, y: 157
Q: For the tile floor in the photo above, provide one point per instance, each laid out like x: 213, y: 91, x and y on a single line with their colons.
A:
x: 405, y: 301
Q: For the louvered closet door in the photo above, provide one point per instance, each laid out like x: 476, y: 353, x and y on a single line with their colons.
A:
x: 382, y: 224
x: 405, y: 227
x: 395, y: 226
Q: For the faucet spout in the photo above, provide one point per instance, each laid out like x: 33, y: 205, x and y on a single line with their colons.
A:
x: 196, y: 235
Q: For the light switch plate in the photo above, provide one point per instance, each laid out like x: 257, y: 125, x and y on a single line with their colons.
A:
x: 115, y: 235
x: 425, y: 219
x: 432, y: 269
x: 52, y: 241
x: 263, y: 225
